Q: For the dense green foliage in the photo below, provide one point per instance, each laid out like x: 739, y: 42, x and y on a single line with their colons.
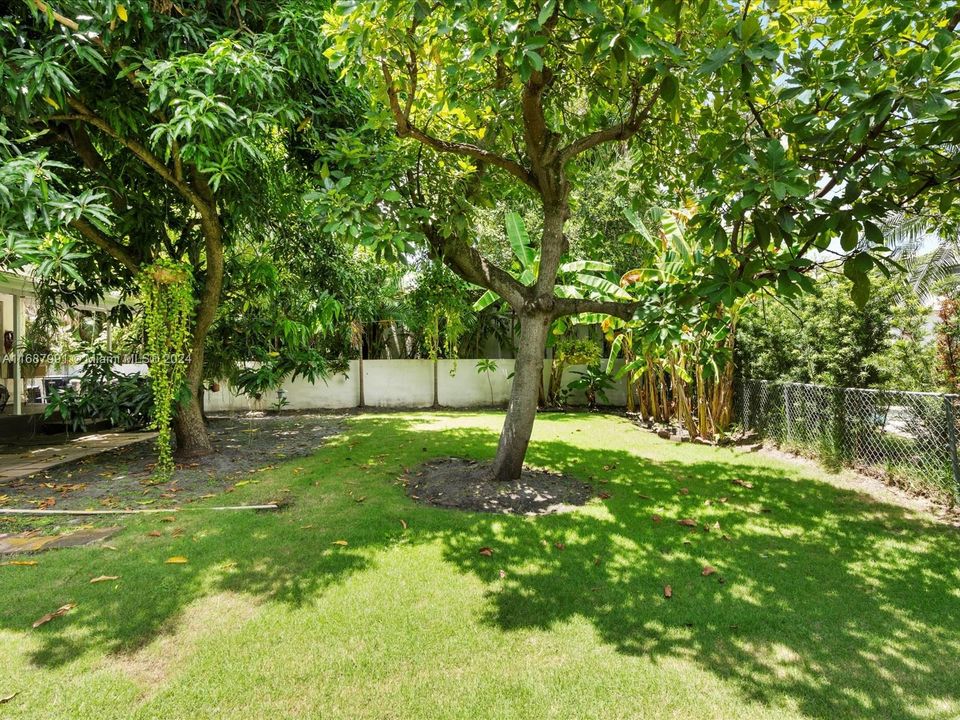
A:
x: 824, y: 338
x: 125, y: 401
x: 149, y: 131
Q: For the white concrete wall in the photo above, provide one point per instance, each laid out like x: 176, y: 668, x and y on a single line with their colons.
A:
x: 400, y: 383
x: 460, y: 385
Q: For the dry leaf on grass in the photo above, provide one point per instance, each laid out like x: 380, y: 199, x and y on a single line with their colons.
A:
x: 404, y: 524
x: 657, y: 518
x: 104, y: 578
x: 486, y: 552
x: 176, y: 560
x: 23, y: 563
x: 340, y: 542
x: 154, y: 533
x: 560, y: 546
x: 743, y: 483
x: 708, y: 570
x: 687, y: 522
x: 604, y: 495
x: 62, y: 610
x: 8, y: 698
x: 667, y: 591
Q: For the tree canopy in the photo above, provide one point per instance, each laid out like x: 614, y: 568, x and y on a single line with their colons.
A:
x: 788, y: 128
x: 134, y: 132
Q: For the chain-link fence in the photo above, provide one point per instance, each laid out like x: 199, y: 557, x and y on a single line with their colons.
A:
x: 908, y: 437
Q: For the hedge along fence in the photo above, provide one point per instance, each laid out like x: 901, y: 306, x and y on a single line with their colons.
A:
x: 908, y: 437
x: 401, y: 384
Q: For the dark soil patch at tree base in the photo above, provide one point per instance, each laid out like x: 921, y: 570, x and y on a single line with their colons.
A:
x: 459, y: 484
x: 123, y: 478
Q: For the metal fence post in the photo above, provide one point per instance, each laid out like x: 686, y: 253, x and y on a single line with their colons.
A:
x: 788, y: 430
x: 746, y: 404
x: 952, y: 434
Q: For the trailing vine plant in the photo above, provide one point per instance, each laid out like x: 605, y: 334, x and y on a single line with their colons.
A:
x: 166, y: 289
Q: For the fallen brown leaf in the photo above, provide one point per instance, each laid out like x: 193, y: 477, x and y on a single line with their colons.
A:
x: 560, y: 546
x: 486, y: 552
x: 104, y: 578
x: 667, y: 591
x: 687, y: 522
x: 8, y: 698
x: 684, y: 491
x: 656, y: 518
x: 743, y: 483
x: 708, y: 570
x: 155, y: 533
x: 169, y: 518
x: 604, y: 495
x: 62, y: 610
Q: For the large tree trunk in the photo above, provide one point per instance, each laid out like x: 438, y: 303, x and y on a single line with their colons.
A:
x: 527, y: 382
x: 190, y: 430
x: 188, y: 425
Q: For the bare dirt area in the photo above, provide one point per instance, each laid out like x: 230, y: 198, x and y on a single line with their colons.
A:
x: 123, y: 478
x: 459, y: 484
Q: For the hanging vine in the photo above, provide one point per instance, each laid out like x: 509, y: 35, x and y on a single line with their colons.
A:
x: 167, y: 295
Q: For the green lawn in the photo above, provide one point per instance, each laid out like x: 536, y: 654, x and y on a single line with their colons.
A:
x: 830, y: 606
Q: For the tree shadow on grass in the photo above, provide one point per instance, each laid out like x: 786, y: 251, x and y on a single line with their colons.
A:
x: 828, y: 603
x: 819, y: 599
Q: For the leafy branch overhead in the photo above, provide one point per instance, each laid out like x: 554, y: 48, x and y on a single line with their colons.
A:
x: 794, y: 127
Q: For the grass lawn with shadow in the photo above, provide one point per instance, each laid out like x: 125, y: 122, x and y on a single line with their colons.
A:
x: 823, y: 604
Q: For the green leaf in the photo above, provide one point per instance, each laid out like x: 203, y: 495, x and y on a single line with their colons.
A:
x: 669, y: 87
x: 519, y: 240
x: 586, y: 265
x: 546, y: 11
x: 873, y: 233
x: 535, y: 59
x: 486, y: 300
x: 850, y: 237
x: 716, y: 60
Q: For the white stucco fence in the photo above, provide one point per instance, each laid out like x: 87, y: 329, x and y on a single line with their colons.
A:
x: 399, y: 383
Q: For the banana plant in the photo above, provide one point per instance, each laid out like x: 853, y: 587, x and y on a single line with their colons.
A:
x: 577, y: 278
x: 678, y: 348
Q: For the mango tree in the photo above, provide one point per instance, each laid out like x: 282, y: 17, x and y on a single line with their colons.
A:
x: 790, y: 123
x: 145, y: 131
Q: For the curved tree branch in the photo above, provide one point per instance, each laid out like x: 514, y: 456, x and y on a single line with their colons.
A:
x: 203, y: 205
x: 473, y: 267
x: 114, y: 249
x: 621, y: 131
x: 407, y: 129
